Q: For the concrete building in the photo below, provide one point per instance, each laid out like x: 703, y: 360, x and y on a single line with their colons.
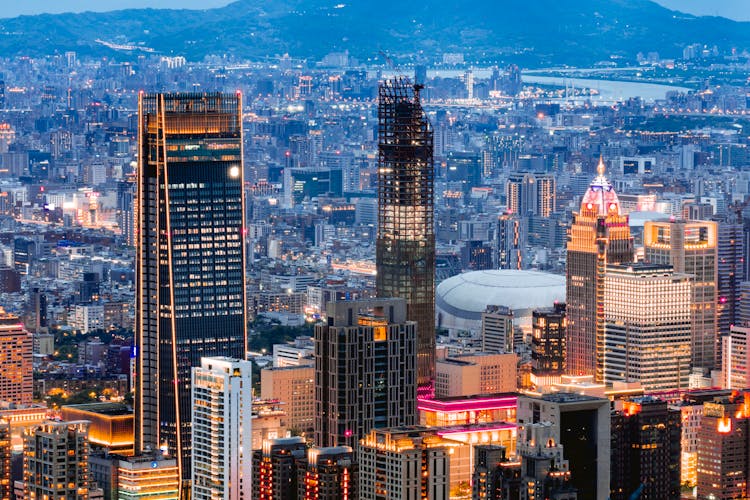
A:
x: 55, y: 461
x: 647, y: 310
x: 365, y: 370
x: 469, y: 375
x: 329, y: 474
x: 222, y: 429
x: 275, y: 468
x: 581, y: 424
x: 690, y: 247
x: 497, y: 329
x: 295, y: 387
x: 402, y: 463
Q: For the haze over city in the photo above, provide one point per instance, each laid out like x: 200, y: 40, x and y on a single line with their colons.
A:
x: 314, y: 250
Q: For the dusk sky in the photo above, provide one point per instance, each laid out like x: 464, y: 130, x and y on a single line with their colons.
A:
x: 736, y: 9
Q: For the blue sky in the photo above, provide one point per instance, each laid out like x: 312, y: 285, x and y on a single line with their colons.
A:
x: 736, y: 9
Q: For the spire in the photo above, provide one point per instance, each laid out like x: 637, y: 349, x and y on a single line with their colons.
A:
x: 601, y: 168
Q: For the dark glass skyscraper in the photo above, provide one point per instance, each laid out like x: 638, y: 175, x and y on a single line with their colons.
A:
x: 406, y: 231
x: 190, y: 297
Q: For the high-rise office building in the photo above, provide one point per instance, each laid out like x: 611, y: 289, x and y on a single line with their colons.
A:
x: 365, y: 370
x: 690, y: 247
x: 730, y: 262
x: 55, y: 461
x: 222, y: 429
x: 645, y: 450
x: 530, y: 194
x: 16, y: 364
x: 647, y: 311
x: 405, y: 250
x: 548, y: 328
x: 599, y: 235
x: 403, y: 463
x: 190, y: 287
x: 581, y: 424
x: 735, y: 358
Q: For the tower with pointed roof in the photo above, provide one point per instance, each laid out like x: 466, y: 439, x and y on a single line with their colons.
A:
x: 598, y: 236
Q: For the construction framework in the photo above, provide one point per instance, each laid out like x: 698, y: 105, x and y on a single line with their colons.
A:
x: 406, y: 202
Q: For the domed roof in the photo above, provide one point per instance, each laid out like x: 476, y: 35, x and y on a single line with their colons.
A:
x: 600, y: 198
x: 467, y: 295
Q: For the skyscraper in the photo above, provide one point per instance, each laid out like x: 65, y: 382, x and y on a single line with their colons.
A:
x: 222, y: 435
x: 730, y: 263
x: 365, y: 370
x: 647, y: 311
x: 598, y: 236
x: 645, y: 450
x: 530, y: 194
x: 405, y: 251
x: 690, y: 247
x: 16, y: 365
x: 190, y: 290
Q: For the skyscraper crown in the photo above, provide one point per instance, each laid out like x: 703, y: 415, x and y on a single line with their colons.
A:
x: 600, y: 198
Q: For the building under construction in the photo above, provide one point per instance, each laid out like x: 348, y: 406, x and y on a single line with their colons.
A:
x: 406, y: 234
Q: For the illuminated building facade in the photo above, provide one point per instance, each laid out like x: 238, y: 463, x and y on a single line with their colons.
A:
x: 730, y: 254
x: 329, y: 474
x: 735, y: 358
x: 481, y: 373
x: 722, y: 449
x: 548, y: 330
x: 365, y: 370
x: 405, y: 250
x: 645, y: 450
x: 467, y: 411
x: 55, y: 461
x: 599, y: 235
x: 149, y: 477
x: 512, y: 239
x: 295, y: 387
x: 545, y: 471
x: 403, y: 463
x: 495, y: 476
x: 647, y: 311
x: 16, y: 364
x: 190, y: 286
x: 275, y: 468
x: 110, y: 427
x: 222, y: 429
x: 690, y: 247
x: 530, y: 194
x: 5, y: 455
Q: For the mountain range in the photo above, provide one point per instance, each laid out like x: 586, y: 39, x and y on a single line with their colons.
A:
x: 530, y: 32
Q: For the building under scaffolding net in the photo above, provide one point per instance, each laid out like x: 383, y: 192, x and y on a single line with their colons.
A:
x: 406, y: 236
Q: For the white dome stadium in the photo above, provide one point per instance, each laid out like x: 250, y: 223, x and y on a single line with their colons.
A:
x: 460, y: 300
